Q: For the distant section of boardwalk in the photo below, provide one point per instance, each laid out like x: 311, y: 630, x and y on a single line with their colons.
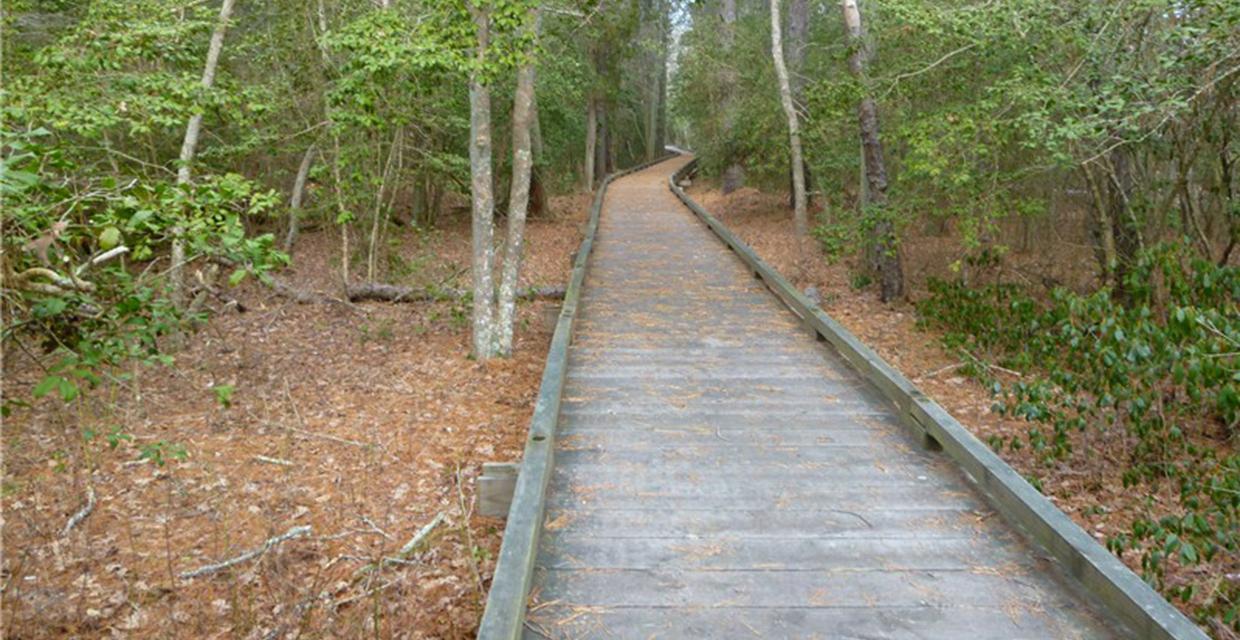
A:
x: 721, y: 474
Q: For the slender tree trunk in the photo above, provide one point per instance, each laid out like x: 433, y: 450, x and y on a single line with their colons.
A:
x: 483, y: 198
x: 519, y: 195
x: 189, y: 146
x: 602, y: 144
x: 343, y: 216
x: 295, y: 199
x: 651, y: 25
x: 661, y: 125
x: 886, y: 253
x: 795, y: 42
x: 380, y: 212
x: 591, y: 140
x: 734, y: 172
x: 800, y: 217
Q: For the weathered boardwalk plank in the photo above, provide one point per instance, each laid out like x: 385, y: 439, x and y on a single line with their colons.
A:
x: 720, y: 474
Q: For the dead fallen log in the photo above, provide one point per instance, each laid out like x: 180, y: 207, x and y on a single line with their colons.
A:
x: 377, y: 291
x: 382, y: 292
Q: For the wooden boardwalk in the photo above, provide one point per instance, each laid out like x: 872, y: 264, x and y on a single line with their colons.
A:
x: 721, y: 474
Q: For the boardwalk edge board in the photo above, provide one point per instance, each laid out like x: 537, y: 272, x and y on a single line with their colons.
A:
x: 1125, y: 594
x: 504, y: 615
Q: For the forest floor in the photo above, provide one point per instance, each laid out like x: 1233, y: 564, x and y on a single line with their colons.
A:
x: 363, y: 422
x: 1088, y: 485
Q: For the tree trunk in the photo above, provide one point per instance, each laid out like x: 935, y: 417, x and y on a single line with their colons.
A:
x: 734, y: 172
x: 602, y: 144
x: 299, y: 191
x: 651, y: 26
x: 536, y: 137
x: 189, y: 146
x: 800, y: 217
x: 519, y: 193
x: 483, y: 199
x: 591, y: 140
x: 665, y: 28
x: 380, y: 211
x: 885, y: 251
x: 796, y: 40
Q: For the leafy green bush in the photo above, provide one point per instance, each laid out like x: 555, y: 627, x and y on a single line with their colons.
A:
x: 1158, y: 371
x: 82, y: 273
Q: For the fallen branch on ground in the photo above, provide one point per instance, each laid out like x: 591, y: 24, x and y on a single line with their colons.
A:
x: 410, y: 548
x: 295, y: 532
x: 270, y: 460
x: 81, y: 513
x: 381, y: 292
x: 392, y: 293
x: 950, y: 367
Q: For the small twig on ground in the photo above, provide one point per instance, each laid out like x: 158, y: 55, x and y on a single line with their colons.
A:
x: 295, y: 532
x: 81, y: 513
x: 376, y: 528
x: 343, y: 601
x: 277, y: 461
x: 950, y: 367
x: 410, y: 548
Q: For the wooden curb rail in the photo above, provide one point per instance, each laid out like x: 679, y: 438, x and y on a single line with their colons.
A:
x: 504, y: 616
x: 1125, y: 594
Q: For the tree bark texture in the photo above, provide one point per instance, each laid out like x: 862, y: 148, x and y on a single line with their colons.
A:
x: 795, y: 42
x: 800, y: 216
x: 885, y: 256
x: 734, y: 171
x: 482, y: 196
x: 296, y: 197
x: 189, y: 146
x: 591, y: 140
x: 519, y: 194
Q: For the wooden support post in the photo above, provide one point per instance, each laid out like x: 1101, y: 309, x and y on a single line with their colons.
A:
x: 496, y: 486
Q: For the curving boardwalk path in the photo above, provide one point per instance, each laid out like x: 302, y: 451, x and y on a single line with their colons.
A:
x: 721, y: 474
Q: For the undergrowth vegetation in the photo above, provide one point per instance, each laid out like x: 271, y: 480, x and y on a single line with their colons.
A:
x: 1154, y: 375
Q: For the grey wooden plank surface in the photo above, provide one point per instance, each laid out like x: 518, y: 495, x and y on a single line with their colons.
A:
x: 719, y: 473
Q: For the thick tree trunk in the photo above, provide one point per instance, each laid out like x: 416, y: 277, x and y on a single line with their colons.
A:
x: 483, y: 199
x: 295, y: 199
x: 885, y: 254
x: 189, y: 147
x: 591, y: 140
x: 800, y: 216
x: 519, y: 194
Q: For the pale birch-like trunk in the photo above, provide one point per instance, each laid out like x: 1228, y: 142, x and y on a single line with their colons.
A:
x: 591, y: 140
x: 482, y: 195
x: 885, y: 255
x: 380, y: 212
x: 298, y: 194
x: 796, y: 40
x: 800, y: 216
x: 189, y: 147
x: 343, y: 216
x: 734, y: 172
x: 518, y: 196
